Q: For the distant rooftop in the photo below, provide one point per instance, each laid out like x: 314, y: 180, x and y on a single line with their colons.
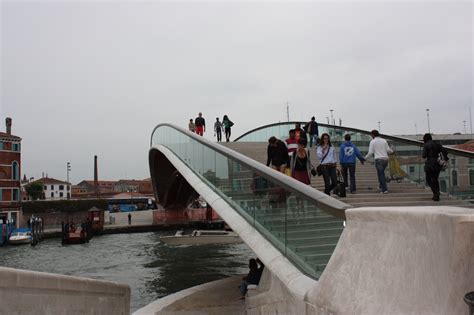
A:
x: 6, y: 136
x: 51, y: 181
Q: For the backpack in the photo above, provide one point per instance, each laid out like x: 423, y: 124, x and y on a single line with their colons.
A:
x: 442, y: 158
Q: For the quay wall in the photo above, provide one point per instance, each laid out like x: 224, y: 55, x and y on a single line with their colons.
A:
x: 30, y: 292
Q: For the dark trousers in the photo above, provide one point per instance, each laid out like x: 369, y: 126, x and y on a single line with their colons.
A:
x: 227, y: 134
x: 432, y: 180
x: 351, y: 168
x: 380, y: 166
x: 219, y: 135
x: 330, y: 178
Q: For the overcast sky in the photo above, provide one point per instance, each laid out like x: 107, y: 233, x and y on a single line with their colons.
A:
x: 85, y: 78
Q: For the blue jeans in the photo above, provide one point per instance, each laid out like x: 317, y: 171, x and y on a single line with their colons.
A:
x: 351, y: 168
x: 313, y: 138
x: 381, y: 165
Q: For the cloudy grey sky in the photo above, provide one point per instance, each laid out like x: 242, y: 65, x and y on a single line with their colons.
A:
x: 85, y: 78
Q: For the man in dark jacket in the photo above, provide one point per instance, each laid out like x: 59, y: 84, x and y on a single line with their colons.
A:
x: 312, y: 129
x: 277, y: 154
x: 200, y: 124
x: 431, y: 151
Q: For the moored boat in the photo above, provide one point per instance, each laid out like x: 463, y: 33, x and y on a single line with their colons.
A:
x: 201, y: 237
x: 20, y: 236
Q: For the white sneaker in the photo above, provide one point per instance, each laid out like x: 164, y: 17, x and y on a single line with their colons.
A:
x: 385, y: 192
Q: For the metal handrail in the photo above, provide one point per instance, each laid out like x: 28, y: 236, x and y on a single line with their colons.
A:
x: 454, y: 151
x: 328, y: 204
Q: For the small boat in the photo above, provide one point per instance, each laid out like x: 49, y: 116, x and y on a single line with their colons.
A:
x: 20, y: 236
x: 201, y: 237
x: 75, y: 236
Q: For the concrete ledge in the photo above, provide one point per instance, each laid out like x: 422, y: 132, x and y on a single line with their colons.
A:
x: 31, y: 292
x: 216, y: 297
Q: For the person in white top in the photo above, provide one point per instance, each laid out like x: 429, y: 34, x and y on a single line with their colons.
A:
x: 380, y: 150
x: 327, y: 156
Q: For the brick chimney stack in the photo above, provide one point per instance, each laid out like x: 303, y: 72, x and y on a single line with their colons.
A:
x: 8, y: 123
x: 96, y: 177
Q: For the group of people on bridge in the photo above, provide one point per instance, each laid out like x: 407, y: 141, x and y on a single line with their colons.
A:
x: 293, y: 158
x: 198, y: 126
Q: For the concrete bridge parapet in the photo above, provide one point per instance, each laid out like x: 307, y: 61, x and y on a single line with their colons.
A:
x: 417, y: 260
x: 31, y: 292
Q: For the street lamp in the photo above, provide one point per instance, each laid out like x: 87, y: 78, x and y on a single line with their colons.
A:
x: 428, y: 116
x: 327, y: 118
x: 379, y: 125
x: 332, y: 118
x: 464, y: 122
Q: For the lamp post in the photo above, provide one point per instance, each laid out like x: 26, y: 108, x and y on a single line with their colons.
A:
x: 464, y: 122
x: 327, y: 118
x: 428, y: 116
x: 332, y: 117
x: 379, y: 125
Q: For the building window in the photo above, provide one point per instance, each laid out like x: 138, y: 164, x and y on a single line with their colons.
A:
x: 1, y: 195
x: 52, y: 187
x: 61, y: 194
x: 412, y: 169
x: 61, y: 187
x: 471, y: 177
x: 15, y: 195
x: 455, y: 177
x: 15, y: 171
x: 52, y: 194
x: 471, y: 161
x: 16, y: 147
x: 1, y: 145
x: 45, y: 188
x: 68, y: 188
x: 453, y: 161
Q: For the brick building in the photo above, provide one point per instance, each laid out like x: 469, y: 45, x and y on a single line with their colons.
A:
x: 10, y: 180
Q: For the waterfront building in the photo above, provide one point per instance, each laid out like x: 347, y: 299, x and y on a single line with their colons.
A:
x: 10, y: 169
x: 55, y: 189
x: 126, y: 185
x: 79, y: 192
x: 104, y: 186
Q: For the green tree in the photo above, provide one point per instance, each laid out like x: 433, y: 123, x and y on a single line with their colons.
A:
x: 35, y: 190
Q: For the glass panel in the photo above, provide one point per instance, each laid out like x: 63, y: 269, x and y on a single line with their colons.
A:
x: 293, y: 223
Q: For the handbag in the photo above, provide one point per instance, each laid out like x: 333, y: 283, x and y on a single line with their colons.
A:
x: 340, y: 187
x: 319, y: 169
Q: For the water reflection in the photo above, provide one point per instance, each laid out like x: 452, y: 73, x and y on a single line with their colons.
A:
x: 151, y: 268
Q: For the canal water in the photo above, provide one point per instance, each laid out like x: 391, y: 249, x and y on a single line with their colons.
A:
x: 151, y: 268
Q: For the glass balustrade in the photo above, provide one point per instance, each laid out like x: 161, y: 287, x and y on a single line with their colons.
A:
x: 457, y: 180
x: 295, y: 224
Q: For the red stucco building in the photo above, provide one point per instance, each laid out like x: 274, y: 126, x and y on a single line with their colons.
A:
x: 10, y: 169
